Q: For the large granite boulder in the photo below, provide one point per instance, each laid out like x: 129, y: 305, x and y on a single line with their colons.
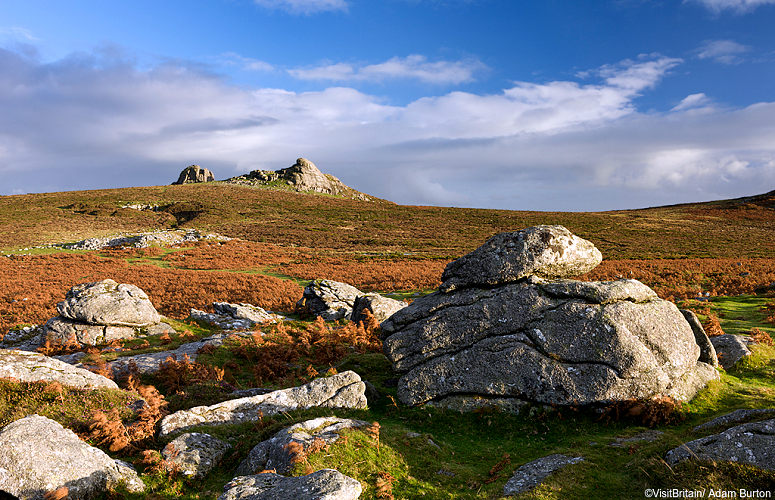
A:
x: 343, y: 390
x: 38, y: 455
x: 194, y: 174
x: 380, y: 307
x: 33, y: 367
x: 331, y: 300
x: 545, y: 251
x: 274, y: 453
x: 752, y: 444
x: 550, y: 341
x: 96, y: 313
x: 325, y: 484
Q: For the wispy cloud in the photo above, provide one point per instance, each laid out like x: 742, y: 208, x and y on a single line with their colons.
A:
x: 722, y: 51
x: 559, y: 145
x: 18, y: 33
x: 738, y: 6
x: 303, y: 6
x: 246, y: 63
x: 415, y: 67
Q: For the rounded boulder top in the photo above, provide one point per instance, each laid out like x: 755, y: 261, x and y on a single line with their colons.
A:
x: 109, y: 303
x: 544, y: 251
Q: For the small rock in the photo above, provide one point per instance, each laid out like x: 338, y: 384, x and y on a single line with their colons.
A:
x: 735, y: 417
x: 325, y: 484
x: 730, y: 349
x: 195, y: 454
x: 532, y: 474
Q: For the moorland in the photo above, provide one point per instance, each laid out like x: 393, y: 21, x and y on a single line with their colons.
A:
x: 717, y: 258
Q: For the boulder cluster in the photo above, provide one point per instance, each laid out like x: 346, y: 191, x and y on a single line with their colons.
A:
x: 507, y: 324
x: 194, y: 174
x: 332, y: 300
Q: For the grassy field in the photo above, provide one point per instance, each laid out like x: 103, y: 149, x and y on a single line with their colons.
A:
x: 714, y: 251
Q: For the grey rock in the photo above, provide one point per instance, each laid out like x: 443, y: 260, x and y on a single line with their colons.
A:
x: 534, y: 473
x: 325, y: 484
x: 545, y: 251
x: 194, y: 174
x: 149, y: 363
x: 329, y: 299
x: 61, y: 330
x: 735, y: 417
x: 109, y: 303
x: 752, y: 444
x: 145, y: 240
x: 730, y: 349
x: 157, y: 329
x: 225, y: 322
x: 344, y: 390
x: 273, y: 454
x: 244, y: 311
x: 707, y: 351
x: 27, y: 338
x: 39, y: 455
x: 381, y: 307
x: 551, y: 342
x: 195, y: 454
x: 33, y: 367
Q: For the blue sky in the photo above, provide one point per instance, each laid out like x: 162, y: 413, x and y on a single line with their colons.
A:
x: 556, y: 105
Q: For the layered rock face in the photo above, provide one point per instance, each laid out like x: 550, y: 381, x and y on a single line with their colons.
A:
x: 96, y: 313
x: 506, y: 324
x: 194, y: 174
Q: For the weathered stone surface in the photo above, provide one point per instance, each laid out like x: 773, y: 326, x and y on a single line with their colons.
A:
x: 344, y: 390
x: 533, y: 474
x: 61, y: 330
x: 39, y: 455
x: 752, y: 444
x: 381, y: 307
x: 325, y: 484
x: 552, y: 342
x: 33, y: 367
x: 735, y: 417
x: 254, y: 314
x: 273, y: 454
x: 545, y: 251
x: 329, y: 299
x: 707, y: 351
x: 194, y: 174
x: 149, y: 363
x: 195, y: 454
x: 467, y: 404
x: 730, y: 349
x: 109, y: 303
x: 27, y: 338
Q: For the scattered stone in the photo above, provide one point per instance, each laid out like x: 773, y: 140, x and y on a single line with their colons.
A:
x: 551, y: 342
x: 533, y: 474
x: 109, y: 303
x: 33, y: 367
x: 544, y: 251
x: 195, y: 454
x: 149, y: 363
x: 736, y: 417
x: 730, y: 349
x: 344, y: 390
x: 194, y: 174
x: 325, y: 484
x: 648, y: 436
x: 274, y: 453
x: 38, y: 455
x: 145, y: 240
x: 381, y: 307
x: 707, y: 351
x: 235, y: 316
x: 27, y: 338
x: 331, y: 300
x: 752, y: 444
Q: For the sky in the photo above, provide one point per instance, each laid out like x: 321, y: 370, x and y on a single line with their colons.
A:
x: 555, y: 105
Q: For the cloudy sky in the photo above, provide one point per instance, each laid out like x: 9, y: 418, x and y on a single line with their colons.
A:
x: 568, y: 105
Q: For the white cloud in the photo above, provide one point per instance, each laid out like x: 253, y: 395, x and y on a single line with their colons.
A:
x: 246, y: 63
x: 303, y: 6
x: 722, y: 51
x: 411, y: 67
x: 17, y: 33
x: 739, y: 6
x: 84, y: 123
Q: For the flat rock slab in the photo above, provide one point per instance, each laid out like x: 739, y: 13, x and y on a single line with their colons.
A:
x: 149, y: 363
x: 532, y: 474
x: 736, y: 417
x: 752, y: 444
x: 325, y: 484
x: 273, y: 454
x: 109, y: 303
x: 545, y: 251
x: 344, y: 390
x: 195, y: 454
x: 730, y: 349
x: 38, y: 455
x: 33, y: 367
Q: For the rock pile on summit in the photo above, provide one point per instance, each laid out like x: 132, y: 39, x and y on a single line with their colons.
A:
x: 506, y: 323
x: 194, y: 174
